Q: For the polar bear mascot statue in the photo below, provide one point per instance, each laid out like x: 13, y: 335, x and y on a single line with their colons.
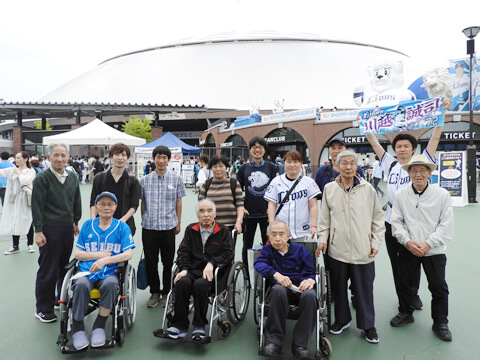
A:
x: 386, y: 82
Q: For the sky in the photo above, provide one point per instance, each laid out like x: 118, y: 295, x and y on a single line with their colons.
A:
x: 45, y: 44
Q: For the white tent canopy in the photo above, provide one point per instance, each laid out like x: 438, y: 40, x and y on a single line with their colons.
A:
x: 94, y: 133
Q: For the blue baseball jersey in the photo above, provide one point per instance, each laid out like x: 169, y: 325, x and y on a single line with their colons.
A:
x: 117, y: 239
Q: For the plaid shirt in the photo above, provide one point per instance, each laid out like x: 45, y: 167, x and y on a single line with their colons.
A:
x: 160, y: 194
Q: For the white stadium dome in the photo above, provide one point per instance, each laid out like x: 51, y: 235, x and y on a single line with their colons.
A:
x: 235, y: 71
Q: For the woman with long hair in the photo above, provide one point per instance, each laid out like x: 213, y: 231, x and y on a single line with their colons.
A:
x: 17, y: 212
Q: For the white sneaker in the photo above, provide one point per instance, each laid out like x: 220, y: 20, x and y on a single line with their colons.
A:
x: 13, y: 250
x: 30, y: 249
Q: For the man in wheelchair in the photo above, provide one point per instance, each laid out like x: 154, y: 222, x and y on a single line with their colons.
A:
x: 290, y: 270
x: 205, y: 246
x: 102, y: 244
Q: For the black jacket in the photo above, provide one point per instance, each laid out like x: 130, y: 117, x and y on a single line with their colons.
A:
x: 193, y: 257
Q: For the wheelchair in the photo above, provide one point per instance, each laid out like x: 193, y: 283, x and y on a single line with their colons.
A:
x: 230, y: 296
x: 262, y: 287
x: 123, y: 312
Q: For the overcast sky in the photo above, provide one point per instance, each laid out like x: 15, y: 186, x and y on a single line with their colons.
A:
x: 44, y: 44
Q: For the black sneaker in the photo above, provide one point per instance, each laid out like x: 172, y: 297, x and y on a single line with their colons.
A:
x: 337, y: 328
x: 371, y: 335
x: 271, y: 350
x: 46, y: 317
x: 401, y: 319
x: 417, y: 303
x: 442, y: 332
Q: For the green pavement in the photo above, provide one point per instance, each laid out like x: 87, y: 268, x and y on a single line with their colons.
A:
x: 24, y: 337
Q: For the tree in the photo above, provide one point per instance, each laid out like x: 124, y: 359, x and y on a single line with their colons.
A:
x: 38, y: 125
x: 138, y: 127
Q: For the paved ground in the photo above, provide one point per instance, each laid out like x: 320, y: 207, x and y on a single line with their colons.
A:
x: 24, y: 337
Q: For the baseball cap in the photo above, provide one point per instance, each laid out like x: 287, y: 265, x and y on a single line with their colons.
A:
x: 107, y: 194
x: 337, y: 139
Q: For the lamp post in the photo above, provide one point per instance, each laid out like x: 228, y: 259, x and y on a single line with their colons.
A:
x: 470, y: 33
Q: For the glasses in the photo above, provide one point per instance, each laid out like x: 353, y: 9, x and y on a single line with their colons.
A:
x: 421, y: 171
x: 255, y: 147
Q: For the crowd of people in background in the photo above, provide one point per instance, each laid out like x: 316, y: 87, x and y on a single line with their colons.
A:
x: 41, y: 196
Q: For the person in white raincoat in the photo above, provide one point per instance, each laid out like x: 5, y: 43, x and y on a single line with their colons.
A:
x: 17, y: 212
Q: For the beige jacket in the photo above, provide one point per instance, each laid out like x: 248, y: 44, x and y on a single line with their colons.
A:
x: 352, y: 220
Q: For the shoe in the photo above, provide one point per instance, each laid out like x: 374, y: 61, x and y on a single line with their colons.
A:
x: 175, y: 333
x: 337, y: 328
x: 163, y: 300
x: 271, y: 350
x: 199, y: 334
x: 442, y: 332
x: 153, y: 301
x: 12, y: 250
x: 46, y: 317
x: 300, y: 352
x: 30, y: 249
x: 401, y: 319
x: 371, y: 335
x: 417, y: 303
x: 80, y: 340
x: 98, y: 337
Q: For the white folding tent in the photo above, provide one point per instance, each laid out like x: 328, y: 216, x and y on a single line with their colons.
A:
x: 94, y: 133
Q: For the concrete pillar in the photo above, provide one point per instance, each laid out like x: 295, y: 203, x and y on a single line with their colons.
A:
x: 157, y: 132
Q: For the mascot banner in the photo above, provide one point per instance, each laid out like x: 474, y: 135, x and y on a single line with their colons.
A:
x: 460, y: 77
x: 406, y: 116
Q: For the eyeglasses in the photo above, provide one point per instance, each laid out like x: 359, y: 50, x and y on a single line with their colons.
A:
x: 421, y: 171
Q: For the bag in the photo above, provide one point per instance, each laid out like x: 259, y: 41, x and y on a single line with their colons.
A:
x: 142, y: 282
x: 288, y: 194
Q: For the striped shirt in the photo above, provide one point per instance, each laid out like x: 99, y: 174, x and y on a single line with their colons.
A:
x: 160, y: 194
x: 220, y: 193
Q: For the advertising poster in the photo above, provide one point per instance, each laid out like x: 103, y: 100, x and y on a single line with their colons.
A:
x: 411, y: 115
x: 142, y: 159
x: 188, y: 173
x: 476, y: 84
x: 459, y: 71
x: 175, y: 163
x: 452, y: 176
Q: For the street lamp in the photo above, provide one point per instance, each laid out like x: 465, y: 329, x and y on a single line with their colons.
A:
x: 470, y: 33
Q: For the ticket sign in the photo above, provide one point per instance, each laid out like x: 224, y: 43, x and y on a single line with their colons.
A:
x: 452, y: 175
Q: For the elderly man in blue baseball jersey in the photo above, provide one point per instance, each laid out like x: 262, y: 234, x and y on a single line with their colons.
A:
x: 102, y: 244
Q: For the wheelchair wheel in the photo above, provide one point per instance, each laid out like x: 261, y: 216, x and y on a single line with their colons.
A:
x: 66, y: 296
x: 326, y: 347
x: 328, y: 300
x: 238, y: 293
x: 120, y: 337
x: 224, y: 329
x: 257, y: 297
x: 130, y: 291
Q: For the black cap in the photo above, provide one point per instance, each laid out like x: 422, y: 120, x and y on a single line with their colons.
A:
x: 338, y: 139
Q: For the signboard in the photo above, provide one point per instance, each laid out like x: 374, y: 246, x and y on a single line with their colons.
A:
x: 459, y: 135
x: 188, y: 134
x: 411, y: 115
x: 142, y: 159
x: 227, y: 144
x: 188, y: 174
x: 452, y: 175
x: 338, y: 116
x: 175, y: 163
x: 275, y: 139
x: 476, y: 84
x: 292, y: 115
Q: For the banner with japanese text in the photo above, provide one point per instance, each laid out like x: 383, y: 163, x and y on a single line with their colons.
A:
x: 412, y: 115
x: 476, y: 84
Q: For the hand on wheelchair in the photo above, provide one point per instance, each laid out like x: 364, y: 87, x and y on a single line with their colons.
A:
x: 282, y: 280
x: 208, y: 272
x: 321, y: 248
x: 306, y: 284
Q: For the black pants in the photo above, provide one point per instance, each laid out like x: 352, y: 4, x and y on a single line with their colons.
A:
x: 185, y: 287
x: 16, y: 238
x: 375, y: 185
x: 155, y: 242
x: 249, y: 236
x: 434, y: 267
x: 393, y: 248
x: 280, y: 297
x: 53, y: 258
x: 361, y: 277
x: 2, y: 194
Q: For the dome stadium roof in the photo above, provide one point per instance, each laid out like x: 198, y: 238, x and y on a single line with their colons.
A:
x: 236, y: 71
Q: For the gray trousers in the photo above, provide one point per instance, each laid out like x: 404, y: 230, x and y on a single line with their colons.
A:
x: 278, y: 313
x: 81, y: 294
